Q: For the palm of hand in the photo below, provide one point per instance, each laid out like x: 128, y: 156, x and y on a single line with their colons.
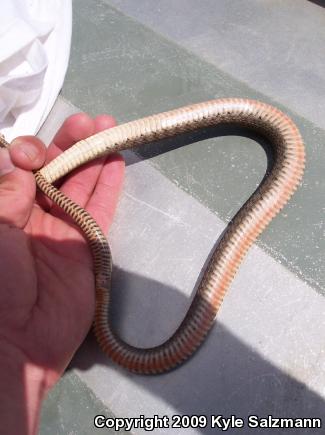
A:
x: 47, y: 301
x: 49, y: 305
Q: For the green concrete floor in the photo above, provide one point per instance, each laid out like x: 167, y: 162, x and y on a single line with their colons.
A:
x: 71, y: 408
x: 122, y: 67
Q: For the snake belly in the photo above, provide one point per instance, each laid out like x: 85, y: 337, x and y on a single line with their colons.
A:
x: 275, y: 190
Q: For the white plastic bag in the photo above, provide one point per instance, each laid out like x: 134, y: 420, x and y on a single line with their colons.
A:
x: 35, y: 38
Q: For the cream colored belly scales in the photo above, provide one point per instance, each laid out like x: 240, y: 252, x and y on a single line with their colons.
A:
x: 277, y: 187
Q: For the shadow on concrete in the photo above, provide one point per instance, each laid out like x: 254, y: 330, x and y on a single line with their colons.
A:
x: 292, y: 233
x: 225, y: 376
x: 318, y: 2
x: 160, y: 147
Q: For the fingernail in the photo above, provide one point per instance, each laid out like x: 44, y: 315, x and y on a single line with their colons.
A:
x: 6, y: 164
x: 27, y: 149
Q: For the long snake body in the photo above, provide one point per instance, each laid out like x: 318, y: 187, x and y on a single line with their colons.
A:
x: 275, y: 190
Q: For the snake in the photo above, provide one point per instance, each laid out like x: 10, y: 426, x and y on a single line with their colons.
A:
x: 278, y: 185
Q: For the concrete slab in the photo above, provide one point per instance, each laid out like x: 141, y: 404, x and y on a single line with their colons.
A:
x: 265, y: 354
x: 275, y: 47
x: 123, y: 68
x: 71, y: 408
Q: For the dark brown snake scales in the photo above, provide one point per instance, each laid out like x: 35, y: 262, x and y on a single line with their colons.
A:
x: 275, y: 190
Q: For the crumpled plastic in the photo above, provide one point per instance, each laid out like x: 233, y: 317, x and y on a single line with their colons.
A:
x: 35, y: 39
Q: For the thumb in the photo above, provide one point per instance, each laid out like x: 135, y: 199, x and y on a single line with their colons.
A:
x: 17, y: 184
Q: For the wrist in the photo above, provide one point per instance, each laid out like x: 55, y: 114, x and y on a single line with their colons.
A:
x: 23, y: 386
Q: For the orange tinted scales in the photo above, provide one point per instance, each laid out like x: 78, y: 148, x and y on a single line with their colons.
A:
x: 275, y: 190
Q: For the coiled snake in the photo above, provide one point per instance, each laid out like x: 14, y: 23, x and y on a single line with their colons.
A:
x: 249, y: 222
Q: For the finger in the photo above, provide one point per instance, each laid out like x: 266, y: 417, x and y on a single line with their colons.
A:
x: 17, y: 192
x: 102, y: 122
x: 74, y: 128
x: 80, y: 185
x: 103, y: 201
x: 27, y: 152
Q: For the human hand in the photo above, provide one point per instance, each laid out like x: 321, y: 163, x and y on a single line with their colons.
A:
x: 47, y: 294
